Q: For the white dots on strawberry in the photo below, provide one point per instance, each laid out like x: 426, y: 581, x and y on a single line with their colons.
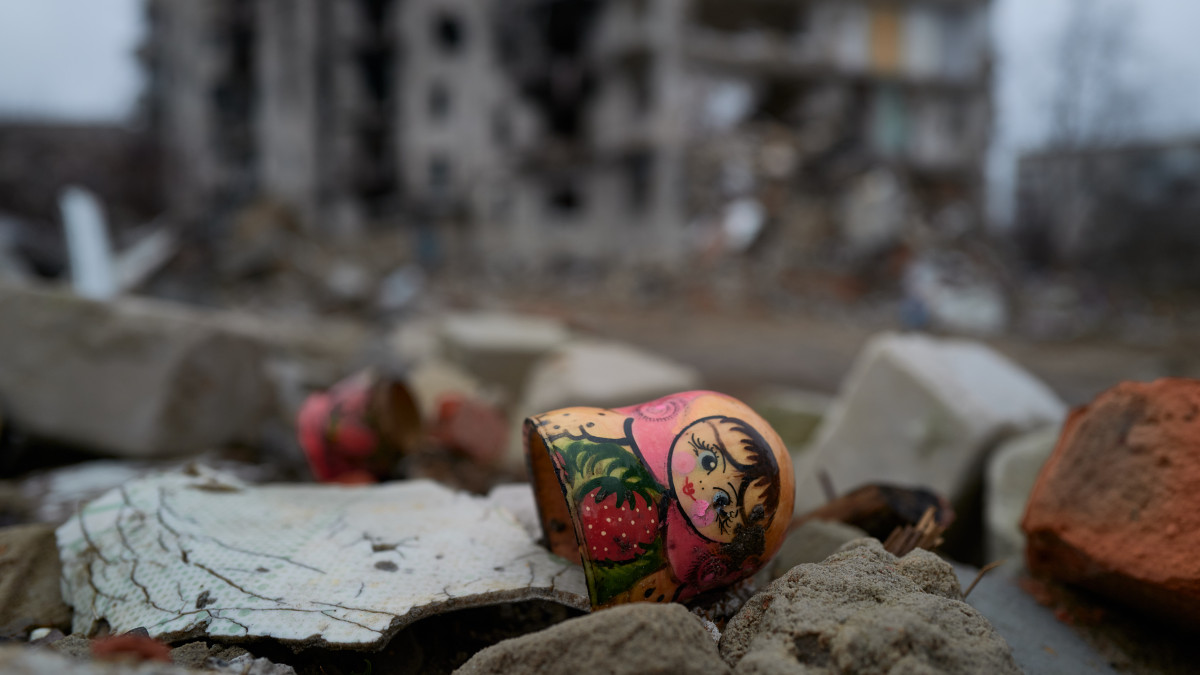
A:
x: 616, y: 497
x: 617, y: 527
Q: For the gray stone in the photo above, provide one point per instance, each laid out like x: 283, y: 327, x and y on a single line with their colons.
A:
x: 635, y: 639
x: 197, y: 553
x: 1041, y: 643
x: 1011, y: 472
x: 920, y: 411
x: 29, y: 580
x: 812, y: 542
x: 131, y: 377
x: 864, y: 610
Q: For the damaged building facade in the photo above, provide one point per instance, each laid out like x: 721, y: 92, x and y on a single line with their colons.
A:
x: 530, y: 134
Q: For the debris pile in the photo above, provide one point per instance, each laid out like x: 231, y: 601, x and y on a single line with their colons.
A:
x: 336, y: 498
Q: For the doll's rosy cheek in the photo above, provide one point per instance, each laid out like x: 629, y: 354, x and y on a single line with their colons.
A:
x: 683, y: 462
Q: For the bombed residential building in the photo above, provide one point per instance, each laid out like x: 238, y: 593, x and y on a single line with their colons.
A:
x: 546, y: 134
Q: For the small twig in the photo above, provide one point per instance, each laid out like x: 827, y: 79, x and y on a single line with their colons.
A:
x: 827, y: 485
x: 978, y: 577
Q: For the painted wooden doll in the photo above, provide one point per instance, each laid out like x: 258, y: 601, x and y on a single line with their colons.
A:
x: 666, y: 499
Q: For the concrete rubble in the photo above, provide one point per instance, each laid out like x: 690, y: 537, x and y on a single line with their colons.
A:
x: 198, y: 553
x: 864, y: 610
x: 632, y: 639
x: 603, y: 374
x: 29, y: 576
x: 916, y: 410
x: 498, y: 348
x: 1011, y: 472
x: 185, y: 384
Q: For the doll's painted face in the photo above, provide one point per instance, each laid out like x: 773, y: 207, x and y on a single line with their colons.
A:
x: 719, y: 478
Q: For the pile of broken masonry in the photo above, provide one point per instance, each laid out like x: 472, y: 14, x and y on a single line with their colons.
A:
x: 201, y: 544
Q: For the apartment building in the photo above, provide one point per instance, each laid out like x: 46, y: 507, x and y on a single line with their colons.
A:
x: 537, y: 133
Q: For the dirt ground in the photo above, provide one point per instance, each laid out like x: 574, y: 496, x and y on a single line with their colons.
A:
x: 739, y: 353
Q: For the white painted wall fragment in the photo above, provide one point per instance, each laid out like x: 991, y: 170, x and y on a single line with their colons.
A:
x: 199, y: 553
x: 92, y: 274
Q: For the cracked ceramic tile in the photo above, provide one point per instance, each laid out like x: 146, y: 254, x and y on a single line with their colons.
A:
x: 200, y: 553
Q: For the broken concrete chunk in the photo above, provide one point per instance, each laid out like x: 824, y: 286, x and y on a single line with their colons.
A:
x: 605, y: 375
x: 1011, y: 472
x: 29, y: 574
x: 130, y: 377
x: 500, y: 348
x: 915, y: 410
x: 635, y: 638
x: 864, y: 610
x: 199, y: 553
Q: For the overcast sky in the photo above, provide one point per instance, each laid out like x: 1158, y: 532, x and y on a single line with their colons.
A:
x: 75, y: 59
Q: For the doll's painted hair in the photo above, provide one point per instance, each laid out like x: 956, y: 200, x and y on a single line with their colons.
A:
x: 762, y: 470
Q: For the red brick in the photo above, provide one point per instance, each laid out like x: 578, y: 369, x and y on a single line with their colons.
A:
x: 1116, y: 508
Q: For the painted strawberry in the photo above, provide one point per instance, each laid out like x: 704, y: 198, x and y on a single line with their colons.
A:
x: 617, y: 499
x: 617, y: 527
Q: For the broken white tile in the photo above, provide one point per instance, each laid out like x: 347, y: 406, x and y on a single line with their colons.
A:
x: 918, y: 410
x: 518, y: 499
x: 198, y: 552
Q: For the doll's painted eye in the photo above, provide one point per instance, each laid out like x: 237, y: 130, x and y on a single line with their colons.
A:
x: 720, y: 499
x: 706, y: 454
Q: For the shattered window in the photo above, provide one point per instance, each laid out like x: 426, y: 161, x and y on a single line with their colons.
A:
x: 439, y: 101
x: 448, y: 32
x: 501, y: 127
x: 565, y: 197
x: 638, y: 177
x: 439, y: 174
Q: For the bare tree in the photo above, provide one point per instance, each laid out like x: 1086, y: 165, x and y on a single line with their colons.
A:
x: 1094, y: 104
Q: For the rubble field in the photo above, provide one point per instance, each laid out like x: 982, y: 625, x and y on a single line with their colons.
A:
x: 191, y: 490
